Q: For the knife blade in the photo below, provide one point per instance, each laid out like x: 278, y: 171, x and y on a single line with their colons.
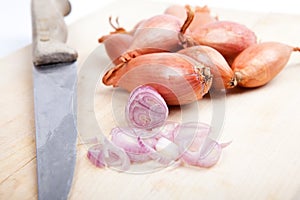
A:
x: 54, y: 77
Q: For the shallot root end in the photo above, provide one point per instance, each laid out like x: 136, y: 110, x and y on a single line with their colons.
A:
x: 238, y: 76
x: 233, y: 82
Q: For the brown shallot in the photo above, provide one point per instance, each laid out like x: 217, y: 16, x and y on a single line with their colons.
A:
x: 156, y: 34
x: 116, y: 45
x: 223, y: 76
x: 160, y: 33
x: 260, y: 63
x: 229, y: 38
x: 117, y: 30
x: 179, y: 79
x: 117, y: 42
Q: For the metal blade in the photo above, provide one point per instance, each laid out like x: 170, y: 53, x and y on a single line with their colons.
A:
x: 55, y: 122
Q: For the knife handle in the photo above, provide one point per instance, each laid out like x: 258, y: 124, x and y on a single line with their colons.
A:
x: 49, y: 32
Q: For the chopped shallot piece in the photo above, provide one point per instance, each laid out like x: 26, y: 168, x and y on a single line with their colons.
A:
x: 197, y: 148
x: 108, y: 154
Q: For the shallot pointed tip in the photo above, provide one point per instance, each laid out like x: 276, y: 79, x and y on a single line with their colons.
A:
x: 296, y: 49
x: 189, y: 19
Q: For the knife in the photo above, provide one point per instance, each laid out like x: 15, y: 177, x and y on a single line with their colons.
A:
x: 54, y: 77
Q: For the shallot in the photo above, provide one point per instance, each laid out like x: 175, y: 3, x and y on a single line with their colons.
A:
x: 260, y: 63
x: 188, y: 142
x: 229, y: 38
x: 117, y: 42
x: 165, y: 143
x: 107, y: 154
x: 127, y: 139
x: 157, y: 34
x: 116, y: 45
x: 146, y: 108
x: 196, y: 147
x: 179, y: 79
x: 117, y: 30
x: 160, y: 33
x: 223, y: 76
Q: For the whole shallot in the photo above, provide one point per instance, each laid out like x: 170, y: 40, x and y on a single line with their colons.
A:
x: 146, y: 108
x: 116, y: 45
x: 260, y: 63
x: 159, y: 33
x: 117, y: 30
x: 229, y: 38
x: 117, y: 42
x: 179, y: 79
x: 223, y: 76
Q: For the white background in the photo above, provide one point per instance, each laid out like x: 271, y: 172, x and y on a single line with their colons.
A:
x: 15, y: 20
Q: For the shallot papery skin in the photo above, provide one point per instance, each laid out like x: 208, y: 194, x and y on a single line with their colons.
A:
x: 136, y: 26
x: 223, y: 76
x: 116, y: 45
x: 260, y: 63
x: 179, y: 79
x: 156, y: 34
x: 107, y: 154
x: 202, y: 15
x: 229, y: 38
x: 146, y: 108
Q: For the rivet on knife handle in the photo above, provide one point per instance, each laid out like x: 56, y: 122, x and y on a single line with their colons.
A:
x: 49, y: 32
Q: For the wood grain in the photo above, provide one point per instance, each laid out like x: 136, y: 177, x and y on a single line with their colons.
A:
x: 261, y: 163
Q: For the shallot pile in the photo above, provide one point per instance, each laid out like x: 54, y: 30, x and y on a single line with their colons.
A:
x: 193, y: 47
x: 150, y: 137
x: 176, y: 58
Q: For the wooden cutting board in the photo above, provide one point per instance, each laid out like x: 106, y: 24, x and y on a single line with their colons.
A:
x: 262, y: 162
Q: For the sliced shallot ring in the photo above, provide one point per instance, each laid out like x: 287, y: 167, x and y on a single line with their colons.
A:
x: 146, y: 109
